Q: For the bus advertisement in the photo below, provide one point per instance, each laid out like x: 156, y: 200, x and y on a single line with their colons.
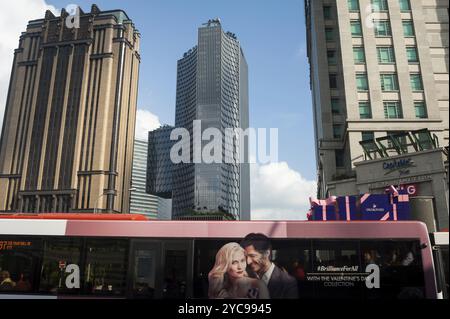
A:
x: 103, y: 256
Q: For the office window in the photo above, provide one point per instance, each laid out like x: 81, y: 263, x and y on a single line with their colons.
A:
x: 333, y: 81
x: 389, y: 82
x: 327, y: 13
x: 339, y: 155
x: 386, y: 55
x: 382, y: 28
x: 379, y: 5
x: 392, y: 110
x: 361, y: 82
x: 329, y: 34
x: 421, y: 110
x: 353, y: 5
x: 367, y: 136
x: 408, y: 28
x: 404, y: 5
x: 416, y: 82
x: 359, y: 56
x: 356, y: 29
x: 365, y: 111
x: 332, y: 59
x: 335, y: 106
x: 337, y: 131
x: 411, y: 53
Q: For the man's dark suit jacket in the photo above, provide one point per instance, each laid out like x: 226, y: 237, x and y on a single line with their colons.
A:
x: 282, y: 285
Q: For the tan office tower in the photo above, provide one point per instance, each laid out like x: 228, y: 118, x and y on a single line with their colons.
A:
x: 377, y: 67
x: 68, y: 132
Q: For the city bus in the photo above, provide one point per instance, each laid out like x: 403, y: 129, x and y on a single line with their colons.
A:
x: 128, y: 256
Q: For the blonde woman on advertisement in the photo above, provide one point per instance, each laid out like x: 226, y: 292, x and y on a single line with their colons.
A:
x: 229, y: 279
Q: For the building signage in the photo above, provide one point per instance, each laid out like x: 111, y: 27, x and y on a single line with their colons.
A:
x: 412, y: 189
x: 406, y: 181
x: 401, y: 165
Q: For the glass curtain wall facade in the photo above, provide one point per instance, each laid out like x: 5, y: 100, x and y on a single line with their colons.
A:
x: 140, y: 201
x: 212, y: 87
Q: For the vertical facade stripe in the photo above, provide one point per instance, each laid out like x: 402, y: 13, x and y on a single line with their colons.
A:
x: 54, y: 126
x: 39, y: 118
x: 72, y: 114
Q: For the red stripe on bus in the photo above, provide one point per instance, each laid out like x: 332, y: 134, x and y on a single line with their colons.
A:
x: 76, y: 216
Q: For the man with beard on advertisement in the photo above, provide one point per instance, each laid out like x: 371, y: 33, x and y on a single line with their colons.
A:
x: 229, y: 279
x: 259, y: 252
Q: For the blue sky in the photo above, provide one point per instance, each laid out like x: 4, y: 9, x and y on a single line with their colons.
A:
x: 272, y: 34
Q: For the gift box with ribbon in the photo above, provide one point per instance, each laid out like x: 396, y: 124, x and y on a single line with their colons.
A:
x: 348, y: 208
x: 393, y: 205
x: 323, y: 209
x: 376, y: 207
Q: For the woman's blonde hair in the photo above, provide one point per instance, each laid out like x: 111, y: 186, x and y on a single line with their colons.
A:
x: 218, y: 278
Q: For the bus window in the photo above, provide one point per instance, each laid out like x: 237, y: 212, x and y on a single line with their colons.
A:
x: 294, y: 257
x: 106, y: 266
x: 401, y: 271
x: 144, y: 276
x: 19, y: 260
x: 336, y: 269
x: 175, y: 274
x: 58, y: 254
x: 145, y: 259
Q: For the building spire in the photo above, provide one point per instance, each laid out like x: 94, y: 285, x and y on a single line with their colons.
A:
x: 49, y: 15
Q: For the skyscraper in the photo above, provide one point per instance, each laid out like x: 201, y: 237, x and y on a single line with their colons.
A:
x: 67, y: 138
x: 140, y: 201
x: 377, y: 67
x: 159, y: 165
x: 212, y: 87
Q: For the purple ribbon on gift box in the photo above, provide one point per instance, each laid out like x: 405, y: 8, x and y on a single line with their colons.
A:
x: 347, y: 207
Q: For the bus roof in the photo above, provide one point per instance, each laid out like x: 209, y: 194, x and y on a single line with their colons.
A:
x: 213, y: 229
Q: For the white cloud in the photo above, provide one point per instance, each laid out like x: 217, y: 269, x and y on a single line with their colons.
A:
x: 14, y: 17
x: 279, y: 192
x: 145, y: 121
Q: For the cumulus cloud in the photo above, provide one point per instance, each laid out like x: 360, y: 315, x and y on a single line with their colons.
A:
x: 279, y: 193
x: 14, y: 17
x: 145, y: 121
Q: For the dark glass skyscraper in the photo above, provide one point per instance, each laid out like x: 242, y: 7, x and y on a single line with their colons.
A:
x: 159, y: 166
x: 212, y: 86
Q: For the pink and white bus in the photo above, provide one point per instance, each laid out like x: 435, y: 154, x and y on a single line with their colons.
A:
x: 128, y: 256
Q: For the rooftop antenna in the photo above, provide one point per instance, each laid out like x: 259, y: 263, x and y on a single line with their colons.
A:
x: 212, y: 21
